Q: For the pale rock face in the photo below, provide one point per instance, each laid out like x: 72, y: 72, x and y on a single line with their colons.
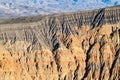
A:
x: 72, y: 46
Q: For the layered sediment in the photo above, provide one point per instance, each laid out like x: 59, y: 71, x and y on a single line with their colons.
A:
x: 71, y: 46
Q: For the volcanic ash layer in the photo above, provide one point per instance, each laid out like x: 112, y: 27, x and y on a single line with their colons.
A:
x: 72, y: 46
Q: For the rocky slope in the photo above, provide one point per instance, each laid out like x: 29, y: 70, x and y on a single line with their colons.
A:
x: 72, y: 46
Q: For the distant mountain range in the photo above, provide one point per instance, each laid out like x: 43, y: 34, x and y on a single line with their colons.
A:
x: 17, y: 8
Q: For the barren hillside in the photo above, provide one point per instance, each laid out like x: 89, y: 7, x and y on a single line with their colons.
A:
x: 70, y: 46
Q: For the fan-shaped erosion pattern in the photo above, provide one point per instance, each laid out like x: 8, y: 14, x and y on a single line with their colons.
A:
x: 71, y: 46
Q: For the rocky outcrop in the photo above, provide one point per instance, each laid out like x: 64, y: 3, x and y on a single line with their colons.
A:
x: 73, y: 46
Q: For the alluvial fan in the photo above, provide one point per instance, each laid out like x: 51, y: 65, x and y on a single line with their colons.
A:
x: 70, y: 46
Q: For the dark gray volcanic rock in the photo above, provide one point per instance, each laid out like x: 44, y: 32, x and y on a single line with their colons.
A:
x: 70, y: 46
x: 44, y: 29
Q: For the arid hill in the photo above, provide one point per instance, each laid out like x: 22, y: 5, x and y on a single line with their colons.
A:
x: 70, y: 46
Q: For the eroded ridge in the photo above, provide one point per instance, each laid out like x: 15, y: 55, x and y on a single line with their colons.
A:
x: 73, y: 46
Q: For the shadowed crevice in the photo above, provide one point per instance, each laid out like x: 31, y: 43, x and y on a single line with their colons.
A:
x: 87, y: 69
